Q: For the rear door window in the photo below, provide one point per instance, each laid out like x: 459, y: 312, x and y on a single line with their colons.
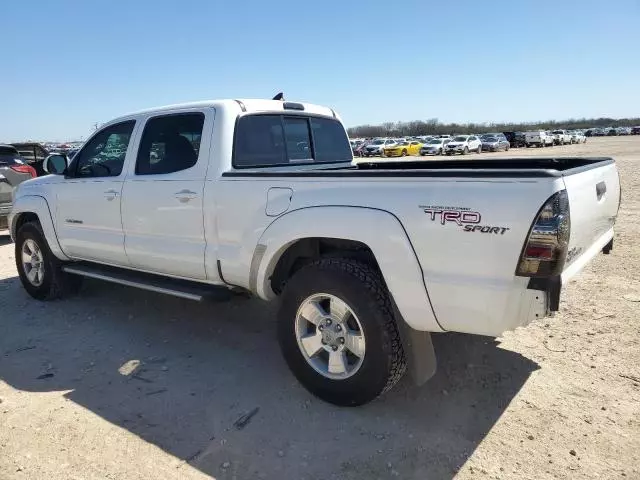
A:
x: 169, y: 144
x: 271, y: 140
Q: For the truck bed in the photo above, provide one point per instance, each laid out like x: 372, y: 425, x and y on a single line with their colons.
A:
x: 500, y: 167
x: 543, y: 166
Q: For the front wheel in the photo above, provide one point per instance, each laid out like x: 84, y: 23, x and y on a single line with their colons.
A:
x: 39, y: 270
x: 337, y: 332
x: 465, y: 151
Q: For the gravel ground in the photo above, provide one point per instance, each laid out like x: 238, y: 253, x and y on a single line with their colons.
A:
x: 125, y: 384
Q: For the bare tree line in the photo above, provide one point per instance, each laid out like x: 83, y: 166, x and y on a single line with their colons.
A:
x: 433, y: 126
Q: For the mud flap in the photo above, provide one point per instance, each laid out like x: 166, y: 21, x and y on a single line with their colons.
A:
x: 418, y: 349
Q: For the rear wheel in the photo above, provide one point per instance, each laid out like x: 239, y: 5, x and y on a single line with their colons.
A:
x: 337, y: 332
x: 39, y: 269
x: 479, y: 149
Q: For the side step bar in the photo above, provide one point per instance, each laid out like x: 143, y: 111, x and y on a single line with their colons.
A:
x: 148, y: 281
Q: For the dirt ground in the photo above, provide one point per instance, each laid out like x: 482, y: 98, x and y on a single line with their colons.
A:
x: 124, y: 384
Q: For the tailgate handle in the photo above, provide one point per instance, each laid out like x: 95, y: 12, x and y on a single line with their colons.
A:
x: 601, y: 189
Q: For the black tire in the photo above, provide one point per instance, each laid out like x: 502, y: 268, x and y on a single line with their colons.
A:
x: 465, y: 151
x: 404, y: 153
x: 479, y: 150
x: 362, y: 288
x: 55, y: 283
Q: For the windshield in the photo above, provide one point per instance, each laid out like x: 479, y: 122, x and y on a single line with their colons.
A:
x: 377, y: 142
x: 558, y: 131
x: 460, y: 138
x: 435, y: 141
x: 489, y: 139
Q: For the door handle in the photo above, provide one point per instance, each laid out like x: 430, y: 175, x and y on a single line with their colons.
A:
x: 111, y: 194
x: 185, y: 195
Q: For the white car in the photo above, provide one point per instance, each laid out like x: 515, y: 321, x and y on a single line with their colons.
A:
x: 464, y: 144
x: 377, y: 147
x: 562, y: 137
x: 435, y: 146
x: 577, y: 136
x: 538, y: 138
x: 365, y: 260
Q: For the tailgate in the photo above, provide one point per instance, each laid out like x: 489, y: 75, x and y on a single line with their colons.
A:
x: 594, y: 198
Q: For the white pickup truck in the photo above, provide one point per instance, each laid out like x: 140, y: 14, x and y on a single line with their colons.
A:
x: 562, y: 137
x: 367, y: 260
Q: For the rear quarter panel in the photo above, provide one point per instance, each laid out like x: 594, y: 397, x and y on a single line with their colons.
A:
x: 470, y: 275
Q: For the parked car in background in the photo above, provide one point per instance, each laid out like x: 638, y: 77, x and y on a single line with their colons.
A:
x: 495, y: 143
x: 464, y: 144
x: 561, y: 137
x: 635, y: 130
x: 377, y: 146
x: 624, y: 130
x: 435, y: 146
x: 611, y: 132
x: 403, y: 148
x: 577, y: 136
x: 33, y: 154
x: 516, y: 139
x: 13, y: 171
x: 355, y: 145
x: 595, y: 132
x: 537, y: 138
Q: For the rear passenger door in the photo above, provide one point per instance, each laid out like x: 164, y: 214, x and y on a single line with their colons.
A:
x: 162, y: 199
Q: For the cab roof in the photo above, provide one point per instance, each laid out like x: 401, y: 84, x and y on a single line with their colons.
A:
x: 239, y: 106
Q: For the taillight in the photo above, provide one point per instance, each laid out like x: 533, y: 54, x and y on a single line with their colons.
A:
x: 25, y: 169
x: 545, y: 251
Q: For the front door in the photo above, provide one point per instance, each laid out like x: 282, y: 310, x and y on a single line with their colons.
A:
x: 87, y: 216
x: 162, y: 199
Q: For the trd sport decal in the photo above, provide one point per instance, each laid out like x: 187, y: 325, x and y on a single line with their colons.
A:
x: 461, y: 216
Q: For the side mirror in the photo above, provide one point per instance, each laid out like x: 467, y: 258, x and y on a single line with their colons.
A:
x: 55, y: 164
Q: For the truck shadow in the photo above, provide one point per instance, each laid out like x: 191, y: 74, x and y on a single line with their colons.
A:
x: 182, y: 375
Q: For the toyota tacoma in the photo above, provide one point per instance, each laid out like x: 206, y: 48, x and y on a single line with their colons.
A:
x: 366, y: 260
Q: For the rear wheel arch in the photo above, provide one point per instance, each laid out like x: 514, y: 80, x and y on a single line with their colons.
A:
x: 307, y: 250
x: 307, y: 234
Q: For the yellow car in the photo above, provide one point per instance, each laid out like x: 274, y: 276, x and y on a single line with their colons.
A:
x: 403, y: 148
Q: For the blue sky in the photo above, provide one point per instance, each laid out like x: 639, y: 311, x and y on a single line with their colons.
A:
x: 69, y: 64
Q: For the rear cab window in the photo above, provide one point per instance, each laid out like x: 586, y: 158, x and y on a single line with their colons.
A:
x: 265, y: 140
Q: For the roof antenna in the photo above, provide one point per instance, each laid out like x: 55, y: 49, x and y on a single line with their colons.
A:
x: 279, y: 96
